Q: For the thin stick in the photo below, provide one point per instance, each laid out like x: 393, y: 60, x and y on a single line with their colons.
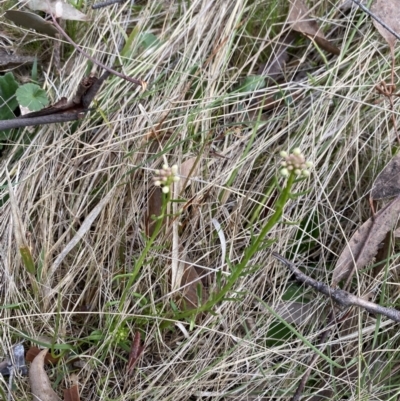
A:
x: 91, y: 93
x: 50, y: 119
x: 106, y: 4
x: 341, y: 297
x: 377, y: 19
x: 93, y: 60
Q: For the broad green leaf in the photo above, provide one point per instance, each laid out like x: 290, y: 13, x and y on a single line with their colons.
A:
x: 128, y: 44
x: 150, y: 40
x: 8, y: 101
x: 32, y: 96
x: 251, y: 84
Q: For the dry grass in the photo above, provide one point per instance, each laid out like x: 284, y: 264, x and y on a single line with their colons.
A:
x: 204, y: 50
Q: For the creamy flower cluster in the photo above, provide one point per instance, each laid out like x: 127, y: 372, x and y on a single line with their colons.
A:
x: 165, y: 177
x: 296, y: 163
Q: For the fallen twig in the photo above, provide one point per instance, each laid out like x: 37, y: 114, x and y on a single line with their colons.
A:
x: 341, y: 297
x: 50, y: 119
x: 63, y: 110
x: 106, y: 4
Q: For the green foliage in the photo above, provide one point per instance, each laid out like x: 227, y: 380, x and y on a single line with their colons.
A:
x: 308, y: 233
x: 252, y: 83
x: 8, y: 101
x: 32, y: 96
x: 149, y: 40
x: 27, y: 259
x: 278, y: 333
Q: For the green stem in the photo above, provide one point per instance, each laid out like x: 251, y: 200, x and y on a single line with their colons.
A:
x: 249, y: 253
x: 145, y: 251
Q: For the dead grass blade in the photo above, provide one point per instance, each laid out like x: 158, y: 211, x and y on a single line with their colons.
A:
x: 84, y: 228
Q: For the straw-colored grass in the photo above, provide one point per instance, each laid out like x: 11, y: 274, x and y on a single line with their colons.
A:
x: 59, y: 174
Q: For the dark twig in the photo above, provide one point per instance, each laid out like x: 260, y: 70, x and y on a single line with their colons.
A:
x: 377, y: 19
x: 50, y: 119
x: 91, y: 93
x: 63, y: 110
x: 341, y: 297
x: 106, y: 4
x: 93, y: 60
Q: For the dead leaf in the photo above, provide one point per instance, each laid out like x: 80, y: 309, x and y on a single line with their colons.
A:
x: 188, y: 168
x: 154, y: 206
x: 192, y: 283
x: 40, y: 383
x: 365, y: 242
x: 273, y: 69
x: 31, y: 21
x: 387, y: 184
x: 384, y: 252
x: 297, y: 312
x: 33, y: 352
x: 301, y: 22
x: 389, y: 12
x: 72, y: 393
x: 58, y: 8
x: 135, y: 352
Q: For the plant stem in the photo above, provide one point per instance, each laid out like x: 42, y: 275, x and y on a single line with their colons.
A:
x: 249, y: 253
x: 145, y: 251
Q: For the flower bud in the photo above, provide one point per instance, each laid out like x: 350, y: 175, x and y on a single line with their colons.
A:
x: 285, y: 172
x: 174, y: 169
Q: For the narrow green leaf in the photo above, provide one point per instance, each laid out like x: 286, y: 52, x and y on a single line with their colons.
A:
x: 27, y: 259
